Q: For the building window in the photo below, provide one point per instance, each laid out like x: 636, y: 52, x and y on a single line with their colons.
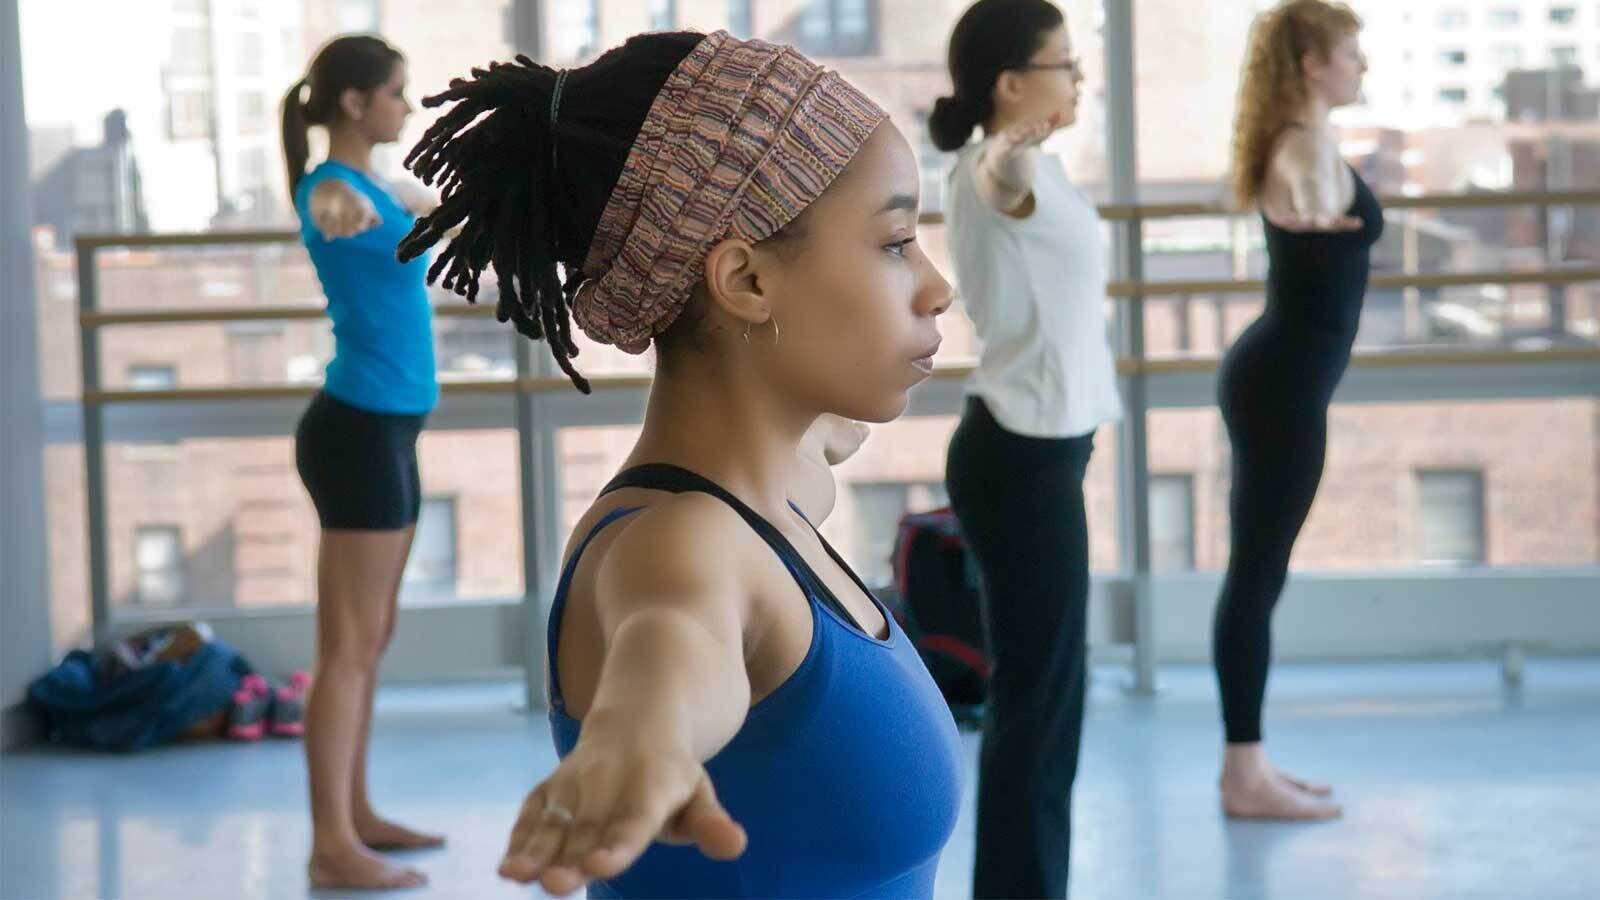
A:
x: 188, y: 115
x: 252, y: 50
x: 1563, y: 15
x: 1172, y: 523
x: 253, y: 173
x: 1505, y: 17
x: 878, y: 507
x: 432, y: 566
x: 740, y: 23
x: 191, y: 51
x: 1508, y: 56
x: 158, y: 565
x: 931, y: 161
x: 663, y: 15
x: 1562, y: 57
x: 358, y: 16
x: 839, y: 28
x: 252, y: 113
x: 1453, y: 95
x: 1450, y: 516
x: 1453, y: 57
x: 1452, y: 18
x: 151, y: 378
x: 574, y: 29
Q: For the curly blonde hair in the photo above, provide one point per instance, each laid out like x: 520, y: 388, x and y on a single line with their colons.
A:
x: 1273, y: 86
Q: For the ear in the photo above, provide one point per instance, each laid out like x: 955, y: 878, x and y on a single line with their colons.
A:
x: 1312, y: 66
x: 352, y: 103
x: 1008, y: 89
x: 737, y: 282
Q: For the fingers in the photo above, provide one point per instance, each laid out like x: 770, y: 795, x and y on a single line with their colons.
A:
x: 1299, y: 222
x: 593, y: 819
x: 1030, y: 133
x: 540, y: 831
x: 707, y: 824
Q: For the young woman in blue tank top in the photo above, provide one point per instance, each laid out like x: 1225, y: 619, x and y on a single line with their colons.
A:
x: 356, y: 445
x: 1320, y: 221
x: 736, y: 715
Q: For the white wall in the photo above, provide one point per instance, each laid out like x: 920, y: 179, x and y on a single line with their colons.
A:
x: 24, y: 592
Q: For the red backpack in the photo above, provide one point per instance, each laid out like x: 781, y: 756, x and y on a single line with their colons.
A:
x: 941, y: 606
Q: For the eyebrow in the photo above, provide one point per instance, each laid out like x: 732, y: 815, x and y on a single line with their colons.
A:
x: 899, y: 202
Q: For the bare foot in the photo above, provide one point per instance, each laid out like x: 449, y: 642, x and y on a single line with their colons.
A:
x: 1269, y: 798
x: 1253, y: 788
x: 381, y: 834
x: 360, y: 869
x: 1314, y: 788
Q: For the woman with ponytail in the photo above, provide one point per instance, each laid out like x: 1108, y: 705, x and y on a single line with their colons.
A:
x: 1030, y: 265
x: 1320, y: 221
x: 356, y: 445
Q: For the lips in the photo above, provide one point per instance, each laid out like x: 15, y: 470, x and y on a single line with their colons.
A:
x: 925, y: 361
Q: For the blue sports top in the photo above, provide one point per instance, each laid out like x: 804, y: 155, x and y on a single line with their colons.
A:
x: 382, y: 321
x: 847, y: 778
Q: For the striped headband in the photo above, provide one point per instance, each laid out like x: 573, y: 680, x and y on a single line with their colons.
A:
x: 743, y: 137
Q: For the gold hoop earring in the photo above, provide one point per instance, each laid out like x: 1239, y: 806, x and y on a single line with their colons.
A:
x: 774, y: 331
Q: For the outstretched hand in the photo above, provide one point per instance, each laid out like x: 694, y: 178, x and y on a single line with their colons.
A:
x: 604, y: 805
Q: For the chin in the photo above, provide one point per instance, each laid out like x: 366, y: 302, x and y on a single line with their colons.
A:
x: 877, y: 413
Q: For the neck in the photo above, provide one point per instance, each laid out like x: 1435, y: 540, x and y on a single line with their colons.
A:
x: 1316, y: 115
x: 346, y: 146
x: 1000, y: 122
x: 725, y: 425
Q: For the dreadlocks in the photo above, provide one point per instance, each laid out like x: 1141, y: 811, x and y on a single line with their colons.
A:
x: 494, y: 158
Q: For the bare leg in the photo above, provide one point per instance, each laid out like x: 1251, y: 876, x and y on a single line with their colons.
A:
x: 375, y: 831
x: 350, y: 640
x: 1253, y: 789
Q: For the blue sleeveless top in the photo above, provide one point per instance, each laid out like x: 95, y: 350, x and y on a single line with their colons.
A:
x: 382, y: 321
x: 847, y: 778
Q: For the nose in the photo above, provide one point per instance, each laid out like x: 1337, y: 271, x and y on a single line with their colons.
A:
x: 936, y: 295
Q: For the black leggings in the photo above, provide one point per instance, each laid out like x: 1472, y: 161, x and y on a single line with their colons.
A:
x: 1020, y: 504
x: 1274, y: 391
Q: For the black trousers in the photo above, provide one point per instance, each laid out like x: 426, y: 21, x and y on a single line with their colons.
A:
x: 1020, y: 504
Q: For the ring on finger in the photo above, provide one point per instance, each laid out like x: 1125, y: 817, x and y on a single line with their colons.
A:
x: 557, y: 815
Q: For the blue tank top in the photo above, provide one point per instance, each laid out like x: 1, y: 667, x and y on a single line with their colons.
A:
x: 847, y: 778
x: 382, y: 321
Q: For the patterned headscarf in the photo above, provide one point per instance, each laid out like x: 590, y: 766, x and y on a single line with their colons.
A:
x: 743, y: 137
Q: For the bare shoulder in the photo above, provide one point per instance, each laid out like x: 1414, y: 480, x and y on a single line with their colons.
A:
x: 1294, y: 155
x: 683, y: 551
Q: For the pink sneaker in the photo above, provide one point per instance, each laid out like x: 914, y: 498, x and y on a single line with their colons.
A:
x: 287, y: 717
x: 247, y: 717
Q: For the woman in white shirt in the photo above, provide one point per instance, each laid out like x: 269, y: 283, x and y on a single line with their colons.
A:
x: 1030, y: 266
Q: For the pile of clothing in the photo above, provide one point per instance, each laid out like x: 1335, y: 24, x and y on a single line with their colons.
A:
x: 160, y: 686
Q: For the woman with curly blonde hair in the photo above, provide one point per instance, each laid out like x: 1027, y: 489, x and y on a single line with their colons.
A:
x: 1320, y: 221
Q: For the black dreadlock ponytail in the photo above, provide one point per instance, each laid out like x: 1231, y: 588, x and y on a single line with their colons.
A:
x: 528, y: 200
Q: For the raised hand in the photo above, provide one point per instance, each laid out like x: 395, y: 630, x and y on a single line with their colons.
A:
x: 340, y: 211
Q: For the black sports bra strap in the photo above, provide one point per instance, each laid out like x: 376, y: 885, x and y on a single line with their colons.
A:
x: 678, y: 480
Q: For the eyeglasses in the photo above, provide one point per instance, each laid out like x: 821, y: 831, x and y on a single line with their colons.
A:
x: 1073, y: 66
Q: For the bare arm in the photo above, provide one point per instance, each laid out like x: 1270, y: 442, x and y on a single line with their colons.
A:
x: 673, y: 690
x: 1305, y: 184
x: 1004, y: 170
